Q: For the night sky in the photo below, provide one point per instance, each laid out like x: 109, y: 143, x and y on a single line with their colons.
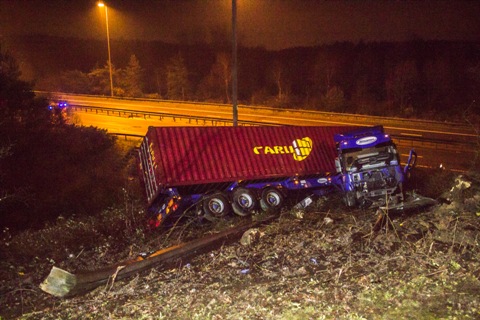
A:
x: 273, y: 24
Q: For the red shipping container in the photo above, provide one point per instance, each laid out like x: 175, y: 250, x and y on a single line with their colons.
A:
x: 180, y: 156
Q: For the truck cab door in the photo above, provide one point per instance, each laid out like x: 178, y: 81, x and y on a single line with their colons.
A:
x: 411, y: 162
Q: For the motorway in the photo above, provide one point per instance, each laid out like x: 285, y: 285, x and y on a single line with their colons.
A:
x: 271, y: 116
x: 437, y: 143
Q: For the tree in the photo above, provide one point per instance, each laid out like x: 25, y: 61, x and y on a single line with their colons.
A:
x: 334, y: 100
x: 100, y: 80
x: 17, y: 104
x: 216, y: 85
x: 8, y: 70
x: 178, y: 86
x: 439, y: 83
x: 73, y: 81
x: 402, y: 85
x: 47, y: 167
x: 20, y: 113
x: 132, y: 78
x: 280, y: 80
x: 323, y: 72
x: 222, y: 70
x: 367, y: 78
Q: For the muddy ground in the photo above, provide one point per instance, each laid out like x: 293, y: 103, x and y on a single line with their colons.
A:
x: 328, y: 263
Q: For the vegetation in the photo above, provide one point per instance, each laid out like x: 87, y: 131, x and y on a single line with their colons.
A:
x: 424, y: 79
x: 329, y: 264
x: 49, y: 168
x: 177, y: 79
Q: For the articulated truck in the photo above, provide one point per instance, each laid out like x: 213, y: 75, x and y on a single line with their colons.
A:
x: 212, y: 172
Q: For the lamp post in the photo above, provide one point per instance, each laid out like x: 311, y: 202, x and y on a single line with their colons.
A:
x: 234, y: 62
x: 101, y: 4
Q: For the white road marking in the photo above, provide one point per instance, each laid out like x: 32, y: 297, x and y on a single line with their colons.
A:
x: 411, y: 134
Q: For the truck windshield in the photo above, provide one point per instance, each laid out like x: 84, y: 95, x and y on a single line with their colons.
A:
x: 368, y: 158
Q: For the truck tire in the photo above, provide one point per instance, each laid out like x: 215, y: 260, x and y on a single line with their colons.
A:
x: 216, y: 206
x: 244, y: 202
x: 272, y: 198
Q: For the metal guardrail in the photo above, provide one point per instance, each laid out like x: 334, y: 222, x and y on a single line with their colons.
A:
x: 410, y: 141
x: 437, y: 144
x: 144, y: 114
x: 128, y: 136
x: 357, y: 118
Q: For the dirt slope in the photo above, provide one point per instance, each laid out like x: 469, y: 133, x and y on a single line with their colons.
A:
x: 327, y: 264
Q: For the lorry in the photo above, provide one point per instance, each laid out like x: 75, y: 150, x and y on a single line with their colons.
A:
x: 211, y: 172
x: 368, y: 168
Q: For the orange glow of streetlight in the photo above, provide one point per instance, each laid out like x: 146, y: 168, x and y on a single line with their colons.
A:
x: 103, y: 5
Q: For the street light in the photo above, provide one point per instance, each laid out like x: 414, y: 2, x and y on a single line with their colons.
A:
x: 101, y: 4
x: 234, y: 62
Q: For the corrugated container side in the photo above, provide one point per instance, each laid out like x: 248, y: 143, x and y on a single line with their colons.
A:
x: 147, y: 168
x: 181, y: 156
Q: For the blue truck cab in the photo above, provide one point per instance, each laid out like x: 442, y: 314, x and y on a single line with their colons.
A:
x: 369, y: 169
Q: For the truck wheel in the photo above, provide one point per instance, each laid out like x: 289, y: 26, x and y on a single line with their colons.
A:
x: 271, y: 199
x: 244, y: 202
x: 216, y: 206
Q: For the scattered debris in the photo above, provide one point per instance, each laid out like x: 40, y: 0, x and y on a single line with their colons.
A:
x: 61, y: 283
x: 250, y: 236
x: 330, y: 264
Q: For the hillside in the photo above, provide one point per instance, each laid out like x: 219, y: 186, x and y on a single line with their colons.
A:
x: 325, y: 263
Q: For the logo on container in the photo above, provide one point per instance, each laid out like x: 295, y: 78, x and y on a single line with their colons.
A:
x: 300, y: 149
x: 366, y: 140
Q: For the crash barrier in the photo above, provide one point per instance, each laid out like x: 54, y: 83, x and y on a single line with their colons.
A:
x: 194, y: 120
x: 308, y: 114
